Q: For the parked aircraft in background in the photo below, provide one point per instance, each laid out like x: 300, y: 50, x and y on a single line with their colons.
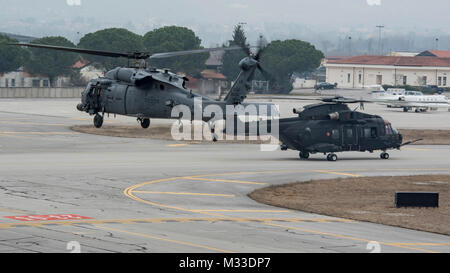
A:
x: 409, y: 100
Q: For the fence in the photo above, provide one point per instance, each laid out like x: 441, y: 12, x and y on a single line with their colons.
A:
x: 26, y: 92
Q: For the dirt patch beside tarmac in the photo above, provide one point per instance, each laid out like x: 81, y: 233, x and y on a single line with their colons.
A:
x: 154, y: 132
x: 368, y: 199
x: 430, y: 137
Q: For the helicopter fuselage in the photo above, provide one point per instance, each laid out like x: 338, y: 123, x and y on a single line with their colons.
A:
x: 152, y: 96
x: 330, y: 128
x: 327, y: 136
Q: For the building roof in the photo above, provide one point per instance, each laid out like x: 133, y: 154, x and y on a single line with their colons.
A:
x: 212, y: 74
x: 80, y: 64
x: 436, y: 53
x: 395, y: 61
x: 403, y: 53
x: 336, y: 57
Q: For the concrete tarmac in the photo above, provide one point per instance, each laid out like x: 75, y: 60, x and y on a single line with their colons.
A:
x: 144, y: 195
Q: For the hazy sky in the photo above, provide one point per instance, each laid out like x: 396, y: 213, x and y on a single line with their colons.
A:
x: 213, y: 20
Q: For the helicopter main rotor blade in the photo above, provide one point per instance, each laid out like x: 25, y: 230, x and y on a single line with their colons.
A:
x: 188, y: 52
x: 262, y: 43
x: 267, y: 75
x: 134, y: 55
x: 323, y: 99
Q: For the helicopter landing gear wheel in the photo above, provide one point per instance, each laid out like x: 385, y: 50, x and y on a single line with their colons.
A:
x: 145, y: 122
x: 98, y: 121
x: 332, y: 157
x: 304, y: 155
x: 384, y: 155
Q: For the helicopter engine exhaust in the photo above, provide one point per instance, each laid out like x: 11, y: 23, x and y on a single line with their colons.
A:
x: 334, y: 116
x: 130, y: 75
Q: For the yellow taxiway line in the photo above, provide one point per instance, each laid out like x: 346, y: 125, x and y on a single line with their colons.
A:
x: 38, y: 133
x: 349, y: 237
x: 241, y: 210
x: 186, y: 193
x: 338, y: 173
x: 164, y: 239
x: 222, y: 180
x: 177, y: 145
x: 167, y: 220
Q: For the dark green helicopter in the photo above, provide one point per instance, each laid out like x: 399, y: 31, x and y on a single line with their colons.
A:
x: 331, y: 126
x: 145, y: 93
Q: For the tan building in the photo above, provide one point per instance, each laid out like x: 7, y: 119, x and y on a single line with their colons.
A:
x: 21, y: 78
x: 366, y: 71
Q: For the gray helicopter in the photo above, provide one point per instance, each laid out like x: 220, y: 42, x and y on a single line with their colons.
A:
x: 144, y: 93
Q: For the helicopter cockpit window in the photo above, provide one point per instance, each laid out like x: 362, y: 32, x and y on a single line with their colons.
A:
x: 389, y: 130
x: 88, y: 87
x: 394, y: 131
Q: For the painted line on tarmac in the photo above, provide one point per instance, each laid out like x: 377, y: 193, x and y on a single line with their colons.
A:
x: 33, y: 123
x: 169, y: 220
x: 222, y: 180
x: 338, y: 173
x: 37, y: 133
x: 241, y: 210
x: 129, y: 193
x: 421, y: 244
x: 186, y: 193
x: 177, y: 145
x: 13, y: 211
x: 350, y: 237
x: 164, y: 239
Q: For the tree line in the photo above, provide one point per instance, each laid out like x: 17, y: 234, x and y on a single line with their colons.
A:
x: 280, y: 58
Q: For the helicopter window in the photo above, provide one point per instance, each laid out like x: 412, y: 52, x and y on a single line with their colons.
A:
x: 349, y: 133
x: 335, y: 134
x: 161, y: 87
x: 367, y: 132
x: 388, y: 129
x: 373, y: 132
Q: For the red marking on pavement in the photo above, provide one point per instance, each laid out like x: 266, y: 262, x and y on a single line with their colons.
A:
x: 50, y: 217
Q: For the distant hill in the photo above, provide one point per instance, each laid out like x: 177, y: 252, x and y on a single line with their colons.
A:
x: 20, y: 38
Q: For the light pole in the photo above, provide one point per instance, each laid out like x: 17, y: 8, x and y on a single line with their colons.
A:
x: 380, y: 47
x: 437, y: 43
x: 349, y: 46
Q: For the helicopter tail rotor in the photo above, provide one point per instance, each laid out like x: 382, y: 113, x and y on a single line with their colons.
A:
x: 255, y: 56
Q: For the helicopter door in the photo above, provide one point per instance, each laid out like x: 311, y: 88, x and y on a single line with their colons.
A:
x: 350, y: 138
x: 93, y: 99
x: 116, y: 99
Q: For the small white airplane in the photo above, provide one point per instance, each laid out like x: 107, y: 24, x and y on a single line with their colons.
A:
x: 401, y: 98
